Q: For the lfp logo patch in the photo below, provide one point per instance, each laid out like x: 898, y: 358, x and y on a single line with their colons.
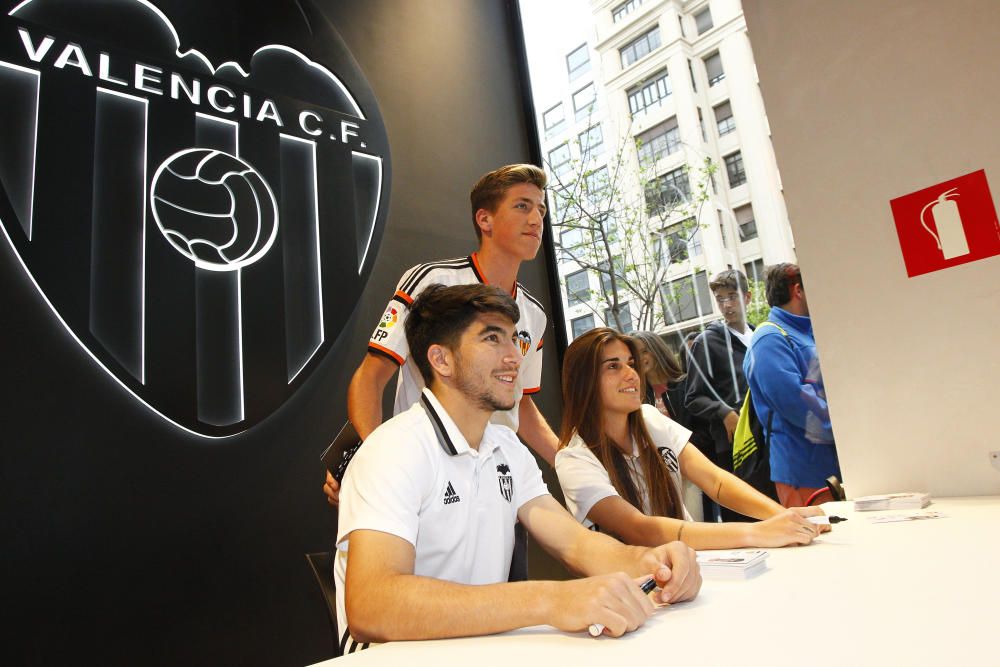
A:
x: 203, y: 230
x: 389, y: 319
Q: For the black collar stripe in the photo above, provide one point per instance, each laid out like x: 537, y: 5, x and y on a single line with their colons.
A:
x: 439, y: 430
x: 421, y: 271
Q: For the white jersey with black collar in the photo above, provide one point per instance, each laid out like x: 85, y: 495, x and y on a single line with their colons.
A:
x: 417, y: 478
x: 389, y: 337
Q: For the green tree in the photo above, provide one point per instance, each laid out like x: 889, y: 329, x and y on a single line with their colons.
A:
x: 627, y: 223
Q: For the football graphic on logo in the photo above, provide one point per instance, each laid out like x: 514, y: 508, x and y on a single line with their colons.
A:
x: 389, y: 319
x: 214, y: 208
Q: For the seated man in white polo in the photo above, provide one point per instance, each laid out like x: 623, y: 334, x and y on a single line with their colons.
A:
x: 428, y: 505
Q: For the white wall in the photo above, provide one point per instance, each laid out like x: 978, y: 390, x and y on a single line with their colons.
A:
x: 867, y: 102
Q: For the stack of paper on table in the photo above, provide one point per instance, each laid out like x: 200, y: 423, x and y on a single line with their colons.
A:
x: 892, y: 501
x: 732, y: 563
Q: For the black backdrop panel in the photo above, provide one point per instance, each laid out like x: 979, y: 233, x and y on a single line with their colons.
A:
x: 131, y: 541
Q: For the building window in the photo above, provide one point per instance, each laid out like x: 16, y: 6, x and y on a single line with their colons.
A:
x: 624, y: 9
x: 754, y: 270
x: 713, y: 67
x: 570, y: 241
x: 591, y: 141
x: 680, y: 239
x: 619, y: 273
x: 694, y: 84
x: 686, y: 299
x: 582, y: 325
x: 560, y: 160
x: 658, y: 142
x: 578, y: 62
x: 746, y: 222
x: 577, y: 288
x: 553, y: 119
x: 624, y: 316
x: 563, y: 206
x: 597, y: 183
x: 724, y: 119
x: 734, y: 169
x: 640, y: 47
x: 583, y: 101
x: 649, y: 94
x: 680, y: 21
x: 666, y: 191
x: 701, y: 125
x: 703, y: 21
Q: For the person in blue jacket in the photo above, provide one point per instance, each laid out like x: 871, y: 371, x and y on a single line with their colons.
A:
x: 786, y: 385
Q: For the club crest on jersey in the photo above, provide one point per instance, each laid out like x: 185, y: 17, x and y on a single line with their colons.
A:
x: 524, y: 342
x: 506, y: 482
x: 669, y: 458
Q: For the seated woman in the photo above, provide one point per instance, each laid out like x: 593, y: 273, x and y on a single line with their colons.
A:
x: 619, y: 461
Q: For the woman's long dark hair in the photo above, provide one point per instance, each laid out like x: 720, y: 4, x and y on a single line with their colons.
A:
x: 583, y: 414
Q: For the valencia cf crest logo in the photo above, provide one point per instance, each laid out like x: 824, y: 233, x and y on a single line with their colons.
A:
x: 506, y: 482
x: 202, y: 229
x: 524, y: 342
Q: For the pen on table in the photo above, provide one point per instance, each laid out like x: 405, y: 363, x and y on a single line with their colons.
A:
x: 824, y: 520
x: 596, y: 628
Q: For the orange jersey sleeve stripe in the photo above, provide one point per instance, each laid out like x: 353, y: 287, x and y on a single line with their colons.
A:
x: 375, y: 347
x: 404, y: 296
x: 533, y: 390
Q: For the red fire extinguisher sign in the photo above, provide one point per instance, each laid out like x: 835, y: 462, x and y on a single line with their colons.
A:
x: 947, y: 224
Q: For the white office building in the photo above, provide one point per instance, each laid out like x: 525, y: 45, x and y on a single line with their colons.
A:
x: 674, y: 81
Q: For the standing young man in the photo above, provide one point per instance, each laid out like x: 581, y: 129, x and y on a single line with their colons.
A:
x: 716, y: 386
x: 508, y: 208
x: 430, y: 501
x: 783, y: 370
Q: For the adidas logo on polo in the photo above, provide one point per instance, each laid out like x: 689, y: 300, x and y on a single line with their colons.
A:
x: 450, y: 496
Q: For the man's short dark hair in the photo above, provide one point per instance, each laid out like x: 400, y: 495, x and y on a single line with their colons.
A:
x: 779, y: 280
x: 730, y: 279
x: 440, y: 315
x: 490, y: 190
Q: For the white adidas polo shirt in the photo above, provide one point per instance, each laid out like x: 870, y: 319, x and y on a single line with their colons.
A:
x: 417, y: 478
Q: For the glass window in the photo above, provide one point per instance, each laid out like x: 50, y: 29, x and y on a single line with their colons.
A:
x: 640, y: 47
x: 667, y: 191
x: 734, y: 169
x: 701, y: 125
x: 564, y: 208
x: 649, y: 94
x: 694, y: 84
x: 619, y: 272
x: 578, y: 62
x: 713, y: 68
x: 724, y: 119
x: 577, y: 288
x: 591, y: 141
x: 553, y: 119
x: 703, y: 20
x: 583, y: 101
x: 658, y: 142
x: 597, y: 183
x: 560, y: 160
x: 624, y: 9
x: 677, y: 239
x: 680, y: 20
x: 746, y: 222
x: 686, y: 299
x: 569, y: 241
x: 582, y: 325
x: 754, y: 270
x: 624, y: 316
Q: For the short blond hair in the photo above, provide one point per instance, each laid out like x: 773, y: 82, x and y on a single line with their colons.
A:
x: 489, y: 190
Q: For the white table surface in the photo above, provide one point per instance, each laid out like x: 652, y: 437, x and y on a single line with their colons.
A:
x: 912, y: 593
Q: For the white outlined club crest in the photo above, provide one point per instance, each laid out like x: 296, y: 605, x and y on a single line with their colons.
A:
x: 202, y: 231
